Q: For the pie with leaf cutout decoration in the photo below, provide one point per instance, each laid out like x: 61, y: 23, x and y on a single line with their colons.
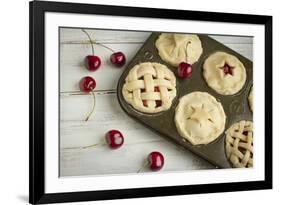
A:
x: 177, y: 48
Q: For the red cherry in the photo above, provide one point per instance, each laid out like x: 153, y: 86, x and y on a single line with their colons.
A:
x: 92, y: 62
x: 156, y: 161
x: 184, y: 70
x: 114, y: 139
x: 87, y: 84
x: 118, y: 59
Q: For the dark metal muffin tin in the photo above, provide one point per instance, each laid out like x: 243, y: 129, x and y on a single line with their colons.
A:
x: 236, y: 106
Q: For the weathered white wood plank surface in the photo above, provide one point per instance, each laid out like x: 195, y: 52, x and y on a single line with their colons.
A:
x: 74, y: 106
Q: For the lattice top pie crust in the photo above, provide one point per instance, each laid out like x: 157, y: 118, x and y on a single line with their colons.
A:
x: 150, y: 87
x: 239, y: 144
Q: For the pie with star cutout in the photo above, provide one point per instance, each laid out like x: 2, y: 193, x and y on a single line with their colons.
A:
x: 224, y: 73
x: 150, y: 87
x: 199, y: 118
x: 239, y: 144
x: 177, y: 48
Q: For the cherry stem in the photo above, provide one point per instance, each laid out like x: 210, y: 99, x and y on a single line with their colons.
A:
x: 146, y: 162
x: 103, y: 142
x: 94, y: 42
x: 100, y: 44
x: 188, y: 42
x: 91, y: 42
x: 93, y: 108
x: 89, y: 146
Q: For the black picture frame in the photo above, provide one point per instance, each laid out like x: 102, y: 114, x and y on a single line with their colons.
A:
x: 37, y: 9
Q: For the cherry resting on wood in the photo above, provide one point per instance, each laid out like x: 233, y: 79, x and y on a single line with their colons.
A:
x: 92, y: 62
x: 156, y: 161
x: 114, y: 139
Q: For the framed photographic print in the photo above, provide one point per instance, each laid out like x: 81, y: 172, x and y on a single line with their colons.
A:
x: 140, y: 102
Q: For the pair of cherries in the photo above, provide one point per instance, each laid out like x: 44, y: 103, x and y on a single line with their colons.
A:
x: 115, y: 139
x: 93, y: 62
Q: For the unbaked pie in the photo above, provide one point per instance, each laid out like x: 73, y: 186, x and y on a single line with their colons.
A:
x: 150, y: 87
x: 239, y: 144
x: 250, y: 99
x: 177, y: 48
x: 224, y: 73
x: 199, y: 118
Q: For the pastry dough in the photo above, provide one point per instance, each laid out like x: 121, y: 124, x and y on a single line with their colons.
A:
x: 224, y: 73
x: 250, y: 99
x: 239, y: 144
x: 150, y: 87
x: 199, y: 118
x: 177, y: 48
